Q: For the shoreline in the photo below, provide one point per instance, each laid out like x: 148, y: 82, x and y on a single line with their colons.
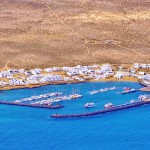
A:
x: 22, y: 79
x: 30, y: 86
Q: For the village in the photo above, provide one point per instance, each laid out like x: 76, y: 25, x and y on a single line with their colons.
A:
x: 21, y: 78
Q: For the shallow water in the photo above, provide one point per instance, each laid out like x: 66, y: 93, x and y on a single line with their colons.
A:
x: 23, y: 128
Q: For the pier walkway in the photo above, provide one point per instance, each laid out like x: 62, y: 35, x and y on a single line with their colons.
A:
x: 32, y: 105
x: 115, y: 108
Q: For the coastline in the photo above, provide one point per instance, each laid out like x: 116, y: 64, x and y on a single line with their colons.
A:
x: 21, y: 79
x: 29, y: 86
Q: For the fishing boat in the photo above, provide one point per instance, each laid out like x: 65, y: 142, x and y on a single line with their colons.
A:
x: 89, y: 105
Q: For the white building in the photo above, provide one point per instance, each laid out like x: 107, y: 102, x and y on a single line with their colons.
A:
x: 106, y: 68
x: 136, y: 65
x: 119, y: 75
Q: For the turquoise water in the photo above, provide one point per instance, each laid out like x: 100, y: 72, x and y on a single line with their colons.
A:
x: 23, y: 128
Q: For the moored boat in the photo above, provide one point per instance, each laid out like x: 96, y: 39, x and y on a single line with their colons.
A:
x: 109, y: 105
x: 127, y: 90
x: 109, y: 109
x: 132, y: 101
x: 94, y: 92
x: 102, y: 90
x: 89, y: 105
x: 142, y: 97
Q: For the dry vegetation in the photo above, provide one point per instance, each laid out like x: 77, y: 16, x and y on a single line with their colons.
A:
x: 46, y: 33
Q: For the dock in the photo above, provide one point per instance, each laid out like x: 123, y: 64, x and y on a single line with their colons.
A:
x: 146, y: 84
x: 32, y: 105
x: 103, y: 90
x: 145, y: 89
x: 127, y: 92
x: 115, y: 108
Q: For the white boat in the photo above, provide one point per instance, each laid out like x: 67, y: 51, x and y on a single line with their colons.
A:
x: 143, y: 97
x: 89, y: 105
x: 102, y: 90
x: 75, y: 96
x: 127, y: 90
x: 133, y: 101
x: 109, y: 105
x: 133, y: 90
x: 113, y: 88
x: 94, y: 92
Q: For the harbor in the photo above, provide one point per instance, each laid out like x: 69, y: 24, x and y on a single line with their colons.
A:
x: 47, y: 100
x: 72, y: 93
x: 74, y: 74
x: 20, y: 114
x: 112, y: 109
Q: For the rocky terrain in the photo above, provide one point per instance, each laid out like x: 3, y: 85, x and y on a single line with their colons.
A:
x: 44, y: 33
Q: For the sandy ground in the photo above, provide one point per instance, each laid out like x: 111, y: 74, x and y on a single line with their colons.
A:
x: 46, y: 33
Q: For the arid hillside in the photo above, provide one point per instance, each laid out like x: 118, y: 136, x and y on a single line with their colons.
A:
x: 44, y: 33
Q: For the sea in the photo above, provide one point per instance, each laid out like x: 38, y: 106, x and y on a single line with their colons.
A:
x: 25, y: 128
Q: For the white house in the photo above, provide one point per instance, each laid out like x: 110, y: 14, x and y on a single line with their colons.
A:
x: 141, y: 73
x: 106, y: 68
x: 136, y: 65
x: 119, y: 75
x: 48, y: 69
